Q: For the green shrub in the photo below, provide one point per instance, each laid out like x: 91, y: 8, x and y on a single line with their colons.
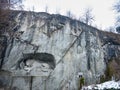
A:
x: 109, y: 72
x: 81, y: 82
x: 102, y: 79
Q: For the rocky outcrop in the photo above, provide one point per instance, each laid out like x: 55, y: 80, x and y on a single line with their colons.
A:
x: 48, y: 52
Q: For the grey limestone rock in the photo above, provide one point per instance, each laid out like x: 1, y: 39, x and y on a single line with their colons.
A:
x: 52, y: 50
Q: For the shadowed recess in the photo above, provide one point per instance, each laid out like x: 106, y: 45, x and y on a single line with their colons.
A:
x: 40, y: 57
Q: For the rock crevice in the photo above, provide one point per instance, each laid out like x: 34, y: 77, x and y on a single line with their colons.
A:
x: 48, y: 52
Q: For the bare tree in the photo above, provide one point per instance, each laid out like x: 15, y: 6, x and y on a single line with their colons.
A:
x: 5, y: 9
x: 88, y: 17
x: 111, y: 29
x: 117, y: 9
x: 70, y: 14
x: 117, y: 6
x: 118, y: 29
x: 57, y: 11
x: 46, y: 9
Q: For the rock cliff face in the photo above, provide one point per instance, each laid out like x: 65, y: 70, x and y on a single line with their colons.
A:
x: 49, y: 52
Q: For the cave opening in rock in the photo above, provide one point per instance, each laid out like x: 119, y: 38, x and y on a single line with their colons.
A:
x: 38, y: 57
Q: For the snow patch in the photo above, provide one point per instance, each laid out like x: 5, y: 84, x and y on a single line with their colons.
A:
x: 105, y: 85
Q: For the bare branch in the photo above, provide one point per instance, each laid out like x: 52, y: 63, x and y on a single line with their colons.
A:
x: 87, y: 18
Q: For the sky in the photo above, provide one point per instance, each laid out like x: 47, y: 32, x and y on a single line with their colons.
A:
x: 102, y: 10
